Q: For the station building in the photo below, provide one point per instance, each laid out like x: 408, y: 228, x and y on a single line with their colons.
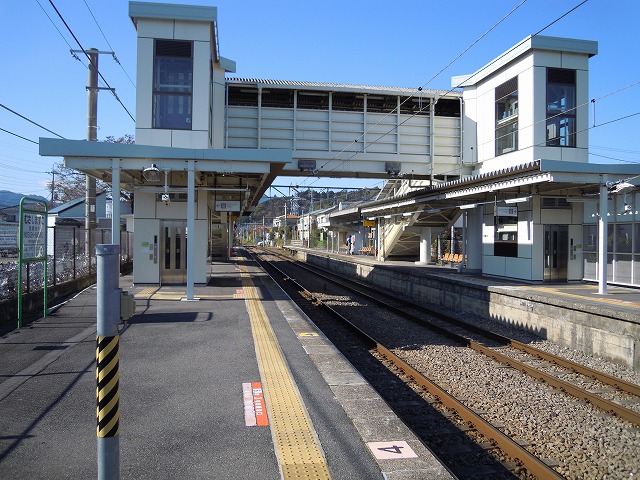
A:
x: 504, y: 153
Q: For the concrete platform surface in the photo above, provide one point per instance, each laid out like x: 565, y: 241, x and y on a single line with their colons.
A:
x: 182, y: 368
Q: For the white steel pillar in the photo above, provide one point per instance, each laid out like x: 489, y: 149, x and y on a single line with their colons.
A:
x: 602, y: 237
x: 191, y: 224
x: 115, y: 201
x: 425, y: 246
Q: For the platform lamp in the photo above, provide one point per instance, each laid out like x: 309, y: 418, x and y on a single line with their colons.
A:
x: 152, y: 173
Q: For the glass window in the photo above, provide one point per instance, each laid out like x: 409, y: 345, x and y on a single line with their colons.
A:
x: 623, y: 237
x: 561, y: 107
x: 590, y: 240
x: 242, y: 96
x: 507, y: 117
x: 172, y: 84
x: 505, y: 242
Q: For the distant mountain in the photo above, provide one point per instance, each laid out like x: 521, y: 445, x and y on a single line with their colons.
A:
x: 10, y: 199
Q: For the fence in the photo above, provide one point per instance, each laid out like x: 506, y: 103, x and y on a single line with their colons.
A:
x: 67, y: 259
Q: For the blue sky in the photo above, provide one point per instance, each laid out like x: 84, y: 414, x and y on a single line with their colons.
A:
x: 401, y: 44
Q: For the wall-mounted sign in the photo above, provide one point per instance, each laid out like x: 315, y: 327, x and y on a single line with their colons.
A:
x: 369, y: 223
x: 227, y: 205
x: 506, y: 212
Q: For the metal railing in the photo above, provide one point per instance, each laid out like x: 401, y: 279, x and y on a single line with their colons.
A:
x: 67, y: 259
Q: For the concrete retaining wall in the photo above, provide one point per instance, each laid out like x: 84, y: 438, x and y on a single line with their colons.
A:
x: 594, y: 329
x: 33, y: 303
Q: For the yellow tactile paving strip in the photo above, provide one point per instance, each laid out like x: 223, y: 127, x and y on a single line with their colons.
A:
x: 563, y: 292
x: 296, y: 444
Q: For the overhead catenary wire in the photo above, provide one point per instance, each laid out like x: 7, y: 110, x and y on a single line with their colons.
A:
x: 614, y: 158
x: 112, y: 90
x: 564, y: 113
x: 421, y: 88
x: 453, y: 88
x: 542, y: 144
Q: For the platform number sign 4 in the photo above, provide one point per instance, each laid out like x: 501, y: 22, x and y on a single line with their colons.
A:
x: 391, y: 450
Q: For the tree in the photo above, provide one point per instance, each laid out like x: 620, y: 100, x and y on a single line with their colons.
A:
x: 68, y: 184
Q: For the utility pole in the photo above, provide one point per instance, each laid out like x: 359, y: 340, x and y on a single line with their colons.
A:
x: 92, y: 135
x: 53, y: 185
x: 108, y: 305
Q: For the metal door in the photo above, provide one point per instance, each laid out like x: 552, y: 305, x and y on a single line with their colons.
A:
x: 173, y: 260
x: 556, y: 253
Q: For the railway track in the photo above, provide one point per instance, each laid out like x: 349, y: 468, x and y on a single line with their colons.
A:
x: 477, y: 338
x: 502, y: 349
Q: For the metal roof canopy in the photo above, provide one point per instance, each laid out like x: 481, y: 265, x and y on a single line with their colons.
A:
x: 239, y: 169
x: 439, y: 205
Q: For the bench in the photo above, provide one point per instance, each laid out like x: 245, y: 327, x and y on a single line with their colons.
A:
x: 366, y: 251
x: 452, y: 258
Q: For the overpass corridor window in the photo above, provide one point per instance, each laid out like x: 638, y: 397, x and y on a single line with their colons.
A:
x: 172, y: 84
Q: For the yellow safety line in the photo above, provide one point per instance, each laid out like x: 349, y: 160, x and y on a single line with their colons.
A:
x: 296, y: 444
x: 614, y: 301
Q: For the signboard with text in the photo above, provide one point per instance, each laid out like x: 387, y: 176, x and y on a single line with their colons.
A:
x: 506, y: 212
x: 32, y: 244
x: 227, y: 205
x: 33, y: 228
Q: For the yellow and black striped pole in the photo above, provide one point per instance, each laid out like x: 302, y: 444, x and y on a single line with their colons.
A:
x: 107, y: 362
x: 108, y: 387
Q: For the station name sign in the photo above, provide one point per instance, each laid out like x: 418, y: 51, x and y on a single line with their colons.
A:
x: 34, y: 235
x: 506, y: 212
x: 227, y: 205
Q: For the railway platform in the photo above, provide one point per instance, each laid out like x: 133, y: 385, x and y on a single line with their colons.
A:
x: 617, y: 298
x: 237, y: 384
x: 571, y: 314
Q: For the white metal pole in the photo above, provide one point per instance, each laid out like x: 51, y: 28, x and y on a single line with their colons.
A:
x: 115, y: 201
x: 602, y: 237
x: 191, y: 184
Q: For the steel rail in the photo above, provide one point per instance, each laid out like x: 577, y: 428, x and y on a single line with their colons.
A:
x: 580, y: 393
x: 577, y: 392
x: 508, y: 445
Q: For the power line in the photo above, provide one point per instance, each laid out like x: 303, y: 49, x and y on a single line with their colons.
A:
x: 19, y: 136
x: 611, y: 149
x: 542, y: 144
x: 614, y: 158
x: 63, y: 37
x: 29, y: 120
x: 113, y: 53
x: 457, y: 86
x: 91, y: 61
x: 561, y: 114
x: 420, y: 90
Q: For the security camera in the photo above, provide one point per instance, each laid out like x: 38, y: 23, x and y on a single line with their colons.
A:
x: 165, y: 199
